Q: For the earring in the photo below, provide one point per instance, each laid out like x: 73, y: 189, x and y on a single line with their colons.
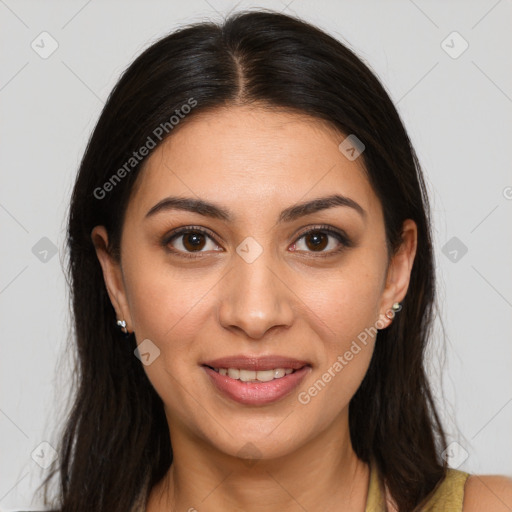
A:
x: 122, y: 325
x: 396, y: 307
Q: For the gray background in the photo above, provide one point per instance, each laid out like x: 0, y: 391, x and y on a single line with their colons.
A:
x: 457, y: 108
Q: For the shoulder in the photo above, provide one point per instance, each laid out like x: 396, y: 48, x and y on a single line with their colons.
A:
x: 488, y: 492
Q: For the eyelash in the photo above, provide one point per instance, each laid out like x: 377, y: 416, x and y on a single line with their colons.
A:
x: 345, y: 242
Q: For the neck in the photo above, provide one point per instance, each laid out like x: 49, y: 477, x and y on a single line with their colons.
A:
x: 324, y: 474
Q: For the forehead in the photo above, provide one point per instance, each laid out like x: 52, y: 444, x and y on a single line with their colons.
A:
x: 249, y: 156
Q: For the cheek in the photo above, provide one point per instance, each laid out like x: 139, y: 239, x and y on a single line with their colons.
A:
x: 348, y: 300
x: 170, y: 311
x: 170, y: 307
x: 159, y: 294
x: 345, y: 313
x: 348, y: 331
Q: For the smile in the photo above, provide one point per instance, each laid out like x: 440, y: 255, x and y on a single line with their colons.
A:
x: 254, y: 376
x: 251, y: 387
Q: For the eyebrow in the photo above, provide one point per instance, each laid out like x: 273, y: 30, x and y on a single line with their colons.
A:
x: 290, y: 214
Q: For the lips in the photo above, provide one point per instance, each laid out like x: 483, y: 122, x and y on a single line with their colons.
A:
x: 256, y: 393
x: 256, y: 363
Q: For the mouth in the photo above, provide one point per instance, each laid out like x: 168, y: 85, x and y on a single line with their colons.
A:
x: 254, y: 376
x: 252, y: 381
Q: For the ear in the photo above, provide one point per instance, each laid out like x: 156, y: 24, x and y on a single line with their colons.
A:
x: 399, y: 271
x: 112, y: 275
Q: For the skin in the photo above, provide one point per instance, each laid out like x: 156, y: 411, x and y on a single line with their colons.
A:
x: 289, y: 301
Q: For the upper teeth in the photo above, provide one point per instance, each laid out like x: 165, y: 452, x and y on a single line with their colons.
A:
x: 251, y: 375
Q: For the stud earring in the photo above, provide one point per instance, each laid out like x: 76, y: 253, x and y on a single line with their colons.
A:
x: 122, y: 325
x: 396, y: 307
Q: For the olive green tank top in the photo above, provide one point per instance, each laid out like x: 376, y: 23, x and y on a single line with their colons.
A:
x: 448, y: 496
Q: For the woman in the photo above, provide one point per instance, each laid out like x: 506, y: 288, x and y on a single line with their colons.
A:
x: 253, y: 284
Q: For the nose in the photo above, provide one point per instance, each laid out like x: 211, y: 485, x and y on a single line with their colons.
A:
x: 255, y: 298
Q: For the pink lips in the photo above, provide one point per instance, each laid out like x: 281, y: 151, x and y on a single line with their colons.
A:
x: 257, y: 393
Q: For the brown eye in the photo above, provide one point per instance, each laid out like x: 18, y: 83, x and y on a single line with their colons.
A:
x: 322, y: 240
x: 188, y: 241
x: 193, y: 241
x: 317, y: 241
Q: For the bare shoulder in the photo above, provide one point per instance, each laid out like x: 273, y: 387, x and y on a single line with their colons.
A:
x: 488, y: 492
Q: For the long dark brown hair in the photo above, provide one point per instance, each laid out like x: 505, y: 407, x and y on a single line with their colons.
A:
x: 115, y: 443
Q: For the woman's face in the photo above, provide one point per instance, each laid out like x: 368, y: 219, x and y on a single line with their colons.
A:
x: 249, y: 281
